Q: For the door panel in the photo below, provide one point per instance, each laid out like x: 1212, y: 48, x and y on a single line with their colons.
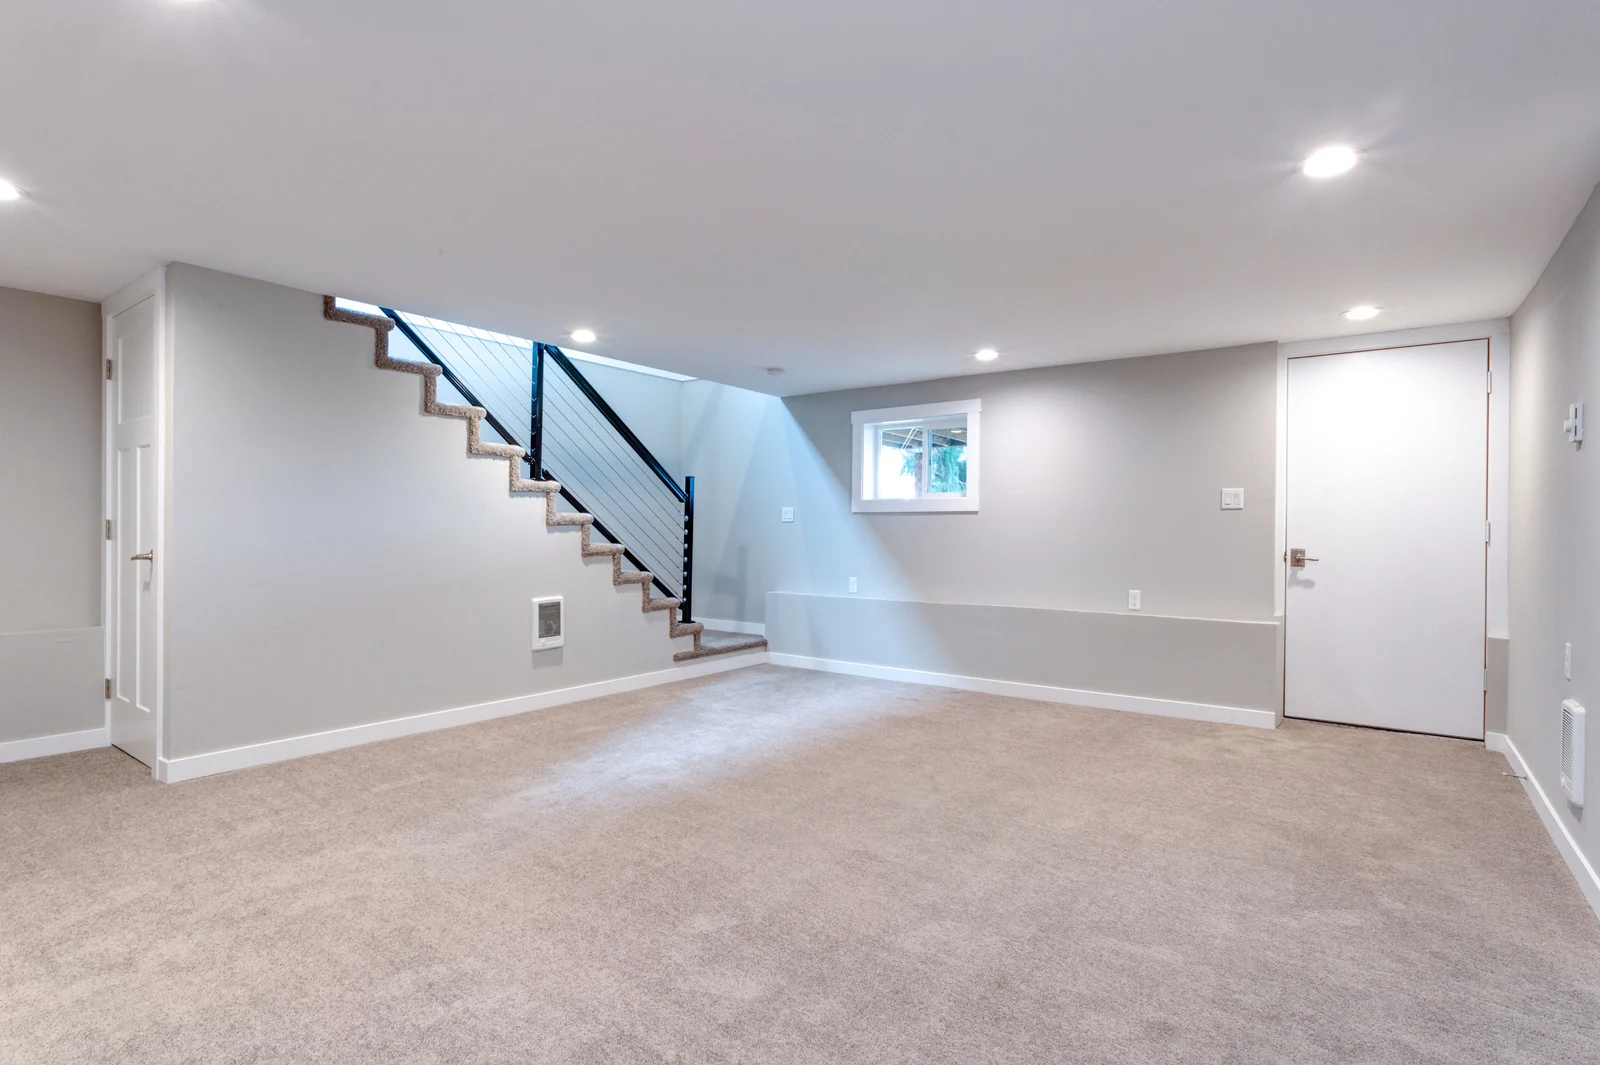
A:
x: 1387, y: 495
x: 133, y: 403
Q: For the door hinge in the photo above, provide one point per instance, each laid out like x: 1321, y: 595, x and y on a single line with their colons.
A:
x: 108, y: 687
x: 1488, y: 381
x: 1486, y: 680
x: 108, y: 528
x: 1486, y: 532
x: 108, y: 369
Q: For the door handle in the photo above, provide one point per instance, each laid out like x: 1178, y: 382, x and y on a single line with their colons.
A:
x: 148, y: 556
x: 1298, y: 558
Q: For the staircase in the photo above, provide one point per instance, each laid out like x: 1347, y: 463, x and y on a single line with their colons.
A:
x: 572, y: 428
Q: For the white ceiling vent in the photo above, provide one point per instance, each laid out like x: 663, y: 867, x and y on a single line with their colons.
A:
x: 1573, y: 727
x: 549, y: 623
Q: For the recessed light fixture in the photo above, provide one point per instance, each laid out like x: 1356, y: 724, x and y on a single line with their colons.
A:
x: 986, y: 355
x: 1331, y: 161
x: 1364, y: 313
x: 583, y: 336
x: 8, y: 191
x: 775, y: 371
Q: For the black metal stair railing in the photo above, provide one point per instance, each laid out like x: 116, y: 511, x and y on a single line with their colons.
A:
x: 573, y: 436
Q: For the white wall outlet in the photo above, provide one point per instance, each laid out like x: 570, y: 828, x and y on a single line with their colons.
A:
x: 549, y: 623
x: 1233, y: 499
x: 788, y: 513
x: 852, y: 584
x: 1133, y: 599
x: 1566, y: 662
x: 1573, y: 426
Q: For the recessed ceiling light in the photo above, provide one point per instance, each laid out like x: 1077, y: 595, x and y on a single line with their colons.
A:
x: 1363, y: 313
x: 583, y: 336
x: 9, y: 191
x: 986, y: 355
x: 1328, y: 162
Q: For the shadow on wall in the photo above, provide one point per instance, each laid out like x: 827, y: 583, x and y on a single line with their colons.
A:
x: 754, y: 458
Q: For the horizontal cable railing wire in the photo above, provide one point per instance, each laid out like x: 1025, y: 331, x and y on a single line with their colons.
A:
x: 580, y: 441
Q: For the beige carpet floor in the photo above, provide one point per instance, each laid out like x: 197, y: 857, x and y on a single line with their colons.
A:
x: 780, y: 866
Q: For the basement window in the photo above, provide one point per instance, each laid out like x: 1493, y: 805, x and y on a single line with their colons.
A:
x: 922, y: 458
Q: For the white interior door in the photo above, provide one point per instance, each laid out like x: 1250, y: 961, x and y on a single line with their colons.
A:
x: 132, y: 406
x: 1387, y: 496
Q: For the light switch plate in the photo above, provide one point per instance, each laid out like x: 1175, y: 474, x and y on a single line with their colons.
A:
x: 1233, y: 499
x: 788, y: 513
x: 1133, y: 599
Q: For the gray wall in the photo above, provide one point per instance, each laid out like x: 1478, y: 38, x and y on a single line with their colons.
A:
x: 1555, y: 508
x: 1097, y: 478
x: 335, y: 557
x: 50, y: 532
x: 1217, y: 663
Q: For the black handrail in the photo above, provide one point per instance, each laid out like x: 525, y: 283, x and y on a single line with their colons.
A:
x: 611, y: 416
x: 494, y: 423
x: 449, y: 375
x: 600, y: 527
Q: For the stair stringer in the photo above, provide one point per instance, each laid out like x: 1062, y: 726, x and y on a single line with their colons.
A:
x: 517, y: 484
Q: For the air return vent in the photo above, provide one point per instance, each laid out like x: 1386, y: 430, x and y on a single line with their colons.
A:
x: 1573, y: 727
x: 549, y: 626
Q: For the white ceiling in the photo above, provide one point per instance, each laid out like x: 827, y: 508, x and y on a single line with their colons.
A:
x: 859, y: 191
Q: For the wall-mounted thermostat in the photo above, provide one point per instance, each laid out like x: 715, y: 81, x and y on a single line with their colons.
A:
x: 548, y: 623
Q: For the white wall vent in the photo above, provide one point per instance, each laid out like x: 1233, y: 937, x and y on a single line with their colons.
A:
x: 1573, y: 743
x: 549, y: 624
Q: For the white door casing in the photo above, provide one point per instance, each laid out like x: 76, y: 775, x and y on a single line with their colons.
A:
x: 133, y: 479
x: 1386, y: 489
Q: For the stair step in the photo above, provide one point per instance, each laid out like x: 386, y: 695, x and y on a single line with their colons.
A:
x: 755, y: 643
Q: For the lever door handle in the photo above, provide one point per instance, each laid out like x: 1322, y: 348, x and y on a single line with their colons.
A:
x: 1298, y: 558
x: 148, y: 556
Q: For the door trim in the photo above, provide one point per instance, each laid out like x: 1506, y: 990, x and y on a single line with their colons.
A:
x: 1496, y: 336
x: 152, y: 285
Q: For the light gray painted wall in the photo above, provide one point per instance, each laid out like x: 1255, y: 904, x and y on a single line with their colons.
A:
x: 1555, y: 508
x: 1097, y: 478
x: 1220, y: 663
x: 50, y: 532
x: 335, y: 556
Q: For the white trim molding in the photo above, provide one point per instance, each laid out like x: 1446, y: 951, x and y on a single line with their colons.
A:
x: 60, y: 743
x: 743, y: 628
x: 864, y: 422
x: 1582, y: 870
x: 173, y: 770
x: 1137, y: 704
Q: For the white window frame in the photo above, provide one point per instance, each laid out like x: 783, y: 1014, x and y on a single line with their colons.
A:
x: 863, y: 424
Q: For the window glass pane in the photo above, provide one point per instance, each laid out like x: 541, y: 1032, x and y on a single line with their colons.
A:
x: 947, y: 461
x: 899, y: 462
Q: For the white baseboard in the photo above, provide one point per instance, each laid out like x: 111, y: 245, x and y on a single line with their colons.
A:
x: 60, y: 743
x: 1138, y: 704
x: 745, y: 628
x: 173, y: 770
x: 1582, y: 870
